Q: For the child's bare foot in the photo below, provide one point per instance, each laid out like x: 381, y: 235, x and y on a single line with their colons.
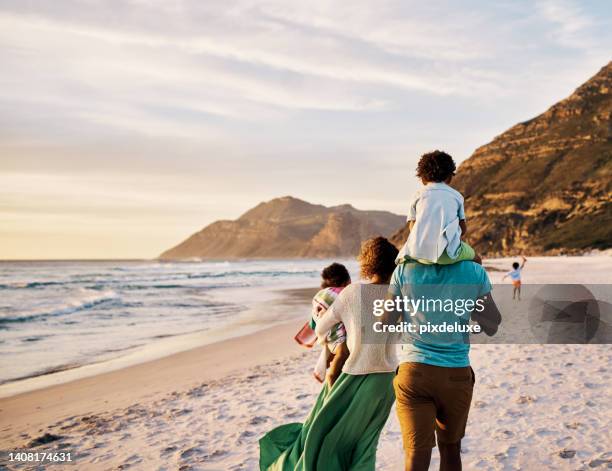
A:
x: 478, y: 259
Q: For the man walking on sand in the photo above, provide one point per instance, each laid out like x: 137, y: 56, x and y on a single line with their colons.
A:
x: 434, y: 381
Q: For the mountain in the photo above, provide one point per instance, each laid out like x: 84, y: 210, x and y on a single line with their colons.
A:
x: 544, y: 185
x: 287, y: 227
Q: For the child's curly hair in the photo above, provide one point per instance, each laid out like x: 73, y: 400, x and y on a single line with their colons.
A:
x: 335, y: 275
x: 436, y: 166
x: 377, y: 257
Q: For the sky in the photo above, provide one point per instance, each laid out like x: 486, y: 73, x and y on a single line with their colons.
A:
x: 126, y: 126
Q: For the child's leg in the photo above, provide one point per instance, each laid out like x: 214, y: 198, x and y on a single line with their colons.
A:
x: 466, y: 252
x: 341, y: 353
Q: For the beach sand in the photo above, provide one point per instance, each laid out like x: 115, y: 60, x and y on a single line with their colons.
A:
x: 534, y: 406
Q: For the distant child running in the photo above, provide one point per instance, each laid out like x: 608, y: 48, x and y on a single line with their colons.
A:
x: 515, y: 276
x: 335, y: 278
x: 436, y: 216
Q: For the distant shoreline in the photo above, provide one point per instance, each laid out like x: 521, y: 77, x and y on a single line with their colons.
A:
x: 584, y: 253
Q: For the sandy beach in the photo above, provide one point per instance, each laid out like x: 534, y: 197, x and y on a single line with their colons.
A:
x: 535, y: 406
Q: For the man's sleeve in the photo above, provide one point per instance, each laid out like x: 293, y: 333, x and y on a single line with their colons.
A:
x: 395, y: 287
x: 485, y: 283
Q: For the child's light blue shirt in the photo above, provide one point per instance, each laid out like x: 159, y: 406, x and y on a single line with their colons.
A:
x: 436, y: 209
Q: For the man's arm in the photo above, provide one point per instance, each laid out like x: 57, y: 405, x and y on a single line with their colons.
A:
x: 490, y: 317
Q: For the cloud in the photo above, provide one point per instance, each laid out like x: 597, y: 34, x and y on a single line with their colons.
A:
x: 571, y: 24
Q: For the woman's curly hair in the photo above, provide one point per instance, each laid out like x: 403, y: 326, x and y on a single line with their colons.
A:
x: 377, y: 257
x: 436, y: 166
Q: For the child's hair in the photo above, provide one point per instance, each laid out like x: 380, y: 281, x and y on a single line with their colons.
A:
x: 515, y: 265
x: 335, y: 275
x: 436, y: 166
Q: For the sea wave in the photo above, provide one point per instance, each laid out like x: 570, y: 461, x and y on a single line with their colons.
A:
x: 29, y: 284
x: 86, y: 299
x: 271, y: 273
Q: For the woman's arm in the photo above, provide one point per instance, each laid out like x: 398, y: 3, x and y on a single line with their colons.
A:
x: 327, y: 321
x: 332, y: 315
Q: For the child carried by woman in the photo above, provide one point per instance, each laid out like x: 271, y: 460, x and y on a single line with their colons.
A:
x: 334, y: 279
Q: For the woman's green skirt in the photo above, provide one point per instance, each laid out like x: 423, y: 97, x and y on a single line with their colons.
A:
x: 341, y: 432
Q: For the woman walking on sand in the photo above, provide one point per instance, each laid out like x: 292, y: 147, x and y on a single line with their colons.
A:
x: 342, y: 430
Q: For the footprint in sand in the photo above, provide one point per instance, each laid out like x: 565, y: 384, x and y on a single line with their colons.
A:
x: 504, y: 434
x: 480, y: 404
x: 564, y: 441
x: 215, y: 455
x: 44, y: 439
x: 574, y: 425
x: 599, y: 462
x: 244, y: 436
x: 129, y: 462
x: 190, y: 452
x: 500, y: 456
x: 259, y: 419
x: 567, y: 454
x: 544, y: 432
x: 167, y: 451
x: 526, y: 400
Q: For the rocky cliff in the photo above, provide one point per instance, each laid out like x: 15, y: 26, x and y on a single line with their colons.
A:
x: 286, y: 228
x: 544, y: 185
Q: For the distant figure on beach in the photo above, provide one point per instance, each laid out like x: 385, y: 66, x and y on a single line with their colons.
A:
x: 436, y: 216
x: 343, y: 428
x: 334, y: 279
x: 515, y: 276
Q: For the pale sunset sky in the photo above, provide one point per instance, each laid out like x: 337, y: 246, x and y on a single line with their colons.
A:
x: 125, y: 126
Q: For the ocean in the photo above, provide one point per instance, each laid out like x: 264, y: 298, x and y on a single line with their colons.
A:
x: 62, y: 315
